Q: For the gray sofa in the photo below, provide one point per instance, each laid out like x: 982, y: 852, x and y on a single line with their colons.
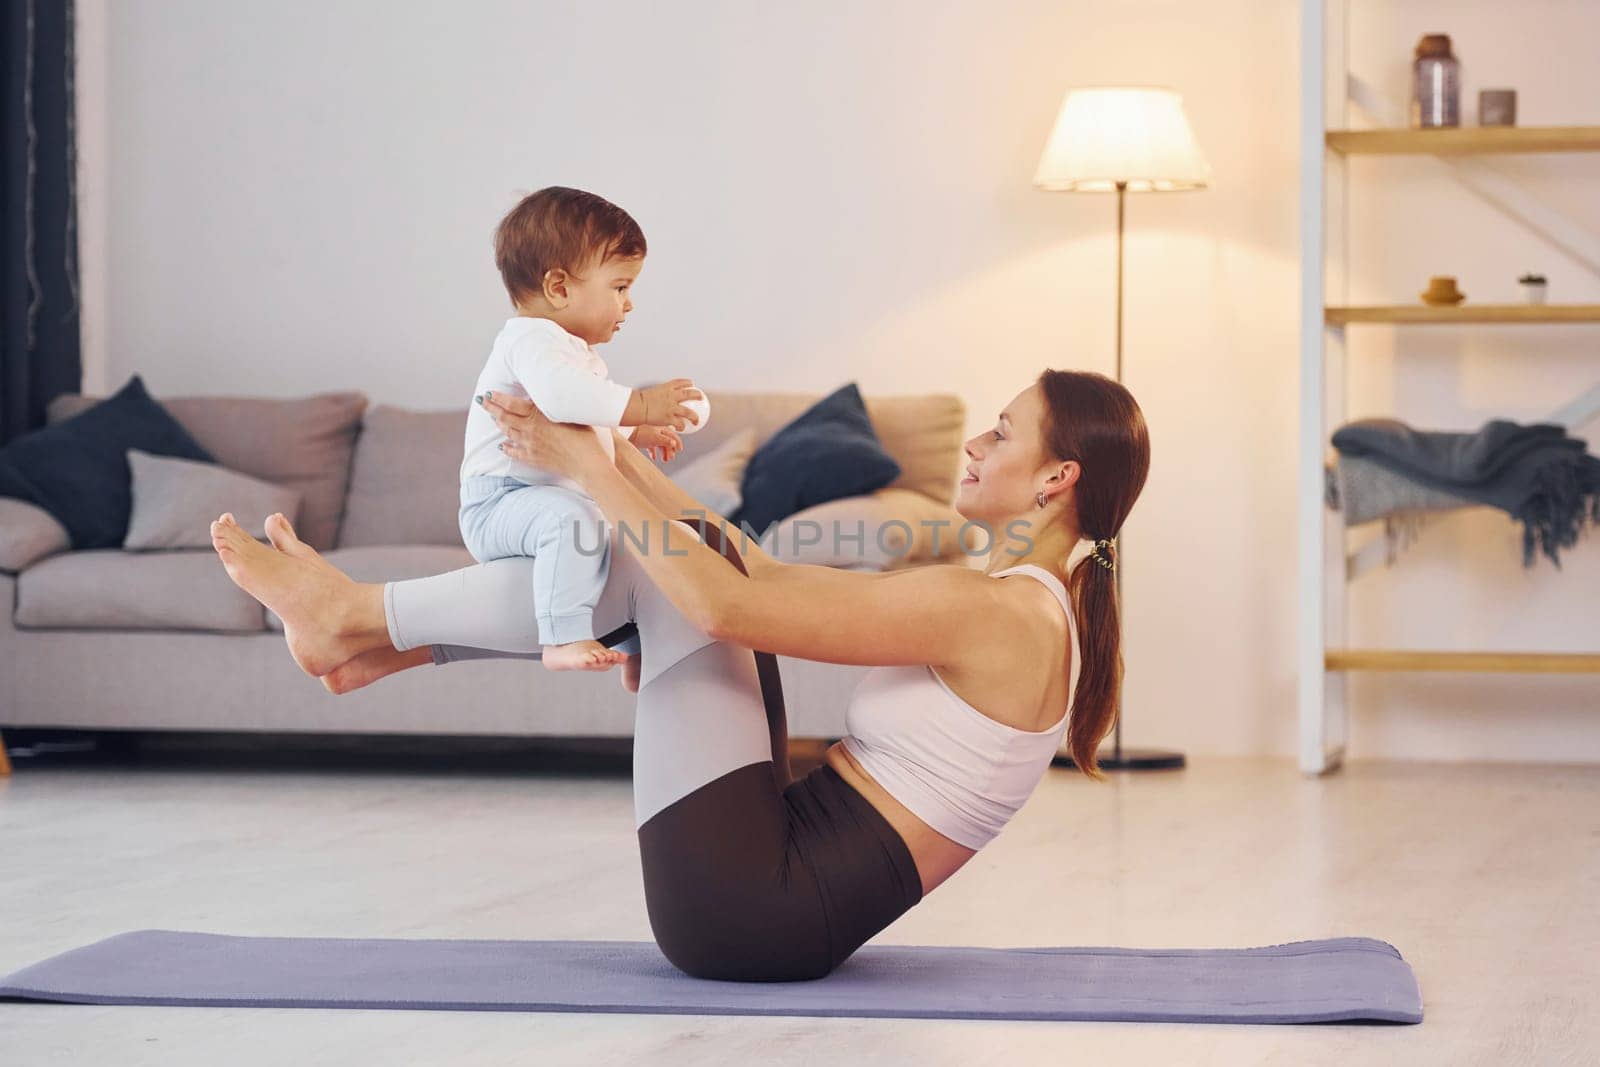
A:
x: 162, y: 640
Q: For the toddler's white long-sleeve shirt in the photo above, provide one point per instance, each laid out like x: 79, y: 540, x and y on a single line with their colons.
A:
x: 563, y: 375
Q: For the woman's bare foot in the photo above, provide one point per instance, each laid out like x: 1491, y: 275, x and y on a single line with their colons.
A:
x: 369, y: 666
x: 285, y: 540
x: 630, y: 673
x: 315, y: 602
x: 588, y: 655
x: 372, y: 665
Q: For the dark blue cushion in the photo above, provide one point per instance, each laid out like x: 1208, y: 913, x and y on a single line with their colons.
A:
x: 830, y: 451
x: 77, y: 470
x: 11, y: 483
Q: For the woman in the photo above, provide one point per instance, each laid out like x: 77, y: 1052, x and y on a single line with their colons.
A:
x: 749, y: 875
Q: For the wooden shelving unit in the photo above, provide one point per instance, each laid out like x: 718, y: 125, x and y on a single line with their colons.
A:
x: 1323, y: 572
x: 1379, y: 659
x: 1465, y: 141
x: 1464, y: 314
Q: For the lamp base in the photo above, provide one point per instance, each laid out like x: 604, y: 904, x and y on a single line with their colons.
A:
x: 1131, y: 759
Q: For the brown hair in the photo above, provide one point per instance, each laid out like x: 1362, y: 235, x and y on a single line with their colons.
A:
x: 560, y: 227
x: 1094, y: 420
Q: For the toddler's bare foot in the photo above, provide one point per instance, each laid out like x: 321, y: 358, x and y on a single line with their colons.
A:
x: 630, y: 673
x: 370, y: 666
x: 588, y: 655
x: 308, y: 598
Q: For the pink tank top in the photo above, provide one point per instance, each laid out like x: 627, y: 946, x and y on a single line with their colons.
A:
x: 956, y: 769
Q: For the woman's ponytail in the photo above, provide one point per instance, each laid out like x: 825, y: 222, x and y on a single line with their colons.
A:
x: 1095, y: 421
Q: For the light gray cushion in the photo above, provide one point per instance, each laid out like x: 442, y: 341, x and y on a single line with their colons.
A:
x: 28, y: 534
x: 714, y: 478
x: 109, y: 589
x: 174, y: 501
x: 391, y: 563
x: 923, y: 433
x: 304, y: 443
x: 897, y: 526
x: 405, y: 482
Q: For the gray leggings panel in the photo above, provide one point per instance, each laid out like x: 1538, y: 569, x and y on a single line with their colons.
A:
x: 700, y: 707
x: 694, y: 723
x: 443, y: 654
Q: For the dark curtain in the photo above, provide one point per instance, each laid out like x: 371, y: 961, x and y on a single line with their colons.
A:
x: 39, y: 355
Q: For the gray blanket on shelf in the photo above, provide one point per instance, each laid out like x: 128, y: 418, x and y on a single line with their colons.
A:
x: 1365, y: 491
x: 1536, y: 473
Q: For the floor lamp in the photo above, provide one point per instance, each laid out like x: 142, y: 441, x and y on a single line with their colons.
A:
x: 1118, y: 139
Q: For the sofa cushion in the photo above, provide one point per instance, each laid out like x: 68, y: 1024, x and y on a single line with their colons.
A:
x: 12, y: 485
x: 897, y: 527
x: 77, y: 469
x: 304, y: 443
x: 923, y: 433
x: 714, y: 478
x: 110, y: 589
x: 174, y: 501
x: 391, y: 563
x: 829, y: 451
x: 28, y: 533
x: 405, y: 479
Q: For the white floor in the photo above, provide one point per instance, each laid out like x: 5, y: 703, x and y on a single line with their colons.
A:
x: 1484, y: 876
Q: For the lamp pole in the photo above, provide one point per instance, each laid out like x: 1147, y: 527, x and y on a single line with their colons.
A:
x: 1122, y: 137
x: 1133, y: 759
x: 1122, y: 215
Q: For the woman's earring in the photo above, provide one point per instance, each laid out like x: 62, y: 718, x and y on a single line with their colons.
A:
x: 1040, y: 498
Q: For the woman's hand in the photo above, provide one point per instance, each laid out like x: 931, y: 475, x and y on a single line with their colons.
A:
x: 566, y: 448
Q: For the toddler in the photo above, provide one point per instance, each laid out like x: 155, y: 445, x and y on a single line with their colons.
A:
x: 568, y: 259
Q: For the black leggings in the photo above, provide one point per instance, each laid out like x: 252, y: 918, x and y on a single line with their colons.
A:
x: 755, y: 877
x: 746, y: 882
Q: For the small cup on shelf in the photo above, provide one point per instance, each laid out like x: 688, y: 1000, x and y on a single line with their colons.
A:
x: 1533, y: 288
x: 1442, y: 292
x: 1497, y: 107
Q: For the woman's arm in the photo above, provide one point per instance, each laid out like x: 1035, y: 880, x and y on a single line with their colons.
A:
x: 669, y: 497
x: 937, y: 615
x: 672, y: 500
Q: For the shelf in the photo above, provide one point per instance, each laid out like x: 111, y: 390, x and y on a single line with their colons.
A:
x: 1464, y: 313
x: 1360, y: 659
x: 1466, y: 140
x: 1328, y: 179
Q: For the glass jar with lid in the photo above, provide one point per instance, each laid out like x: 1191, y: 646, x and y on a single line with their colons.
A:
x: 1435, y: 84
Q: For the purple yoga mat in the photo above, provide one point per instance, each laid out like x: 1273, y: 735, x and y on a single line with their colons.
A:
x: 1342, y: 978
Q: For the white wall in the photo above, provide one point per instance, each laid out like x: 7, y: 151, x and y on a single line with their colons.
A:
x: 299, y: 197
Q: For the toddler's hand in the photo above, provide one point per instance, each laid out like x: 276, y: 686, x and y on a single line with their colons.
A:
x: 663, y: 404
x: 651, y: 439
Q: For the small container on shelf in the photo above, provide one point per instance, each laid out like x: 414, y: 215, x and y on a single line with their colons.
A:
x: 1497, y: 107
x: 1435, y: 84
x: 1442, y: 292
x: 1533, y: 288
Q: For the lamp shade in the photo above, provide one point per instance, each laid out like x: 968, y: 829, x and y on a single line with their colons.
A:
x: 1137, y: 135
